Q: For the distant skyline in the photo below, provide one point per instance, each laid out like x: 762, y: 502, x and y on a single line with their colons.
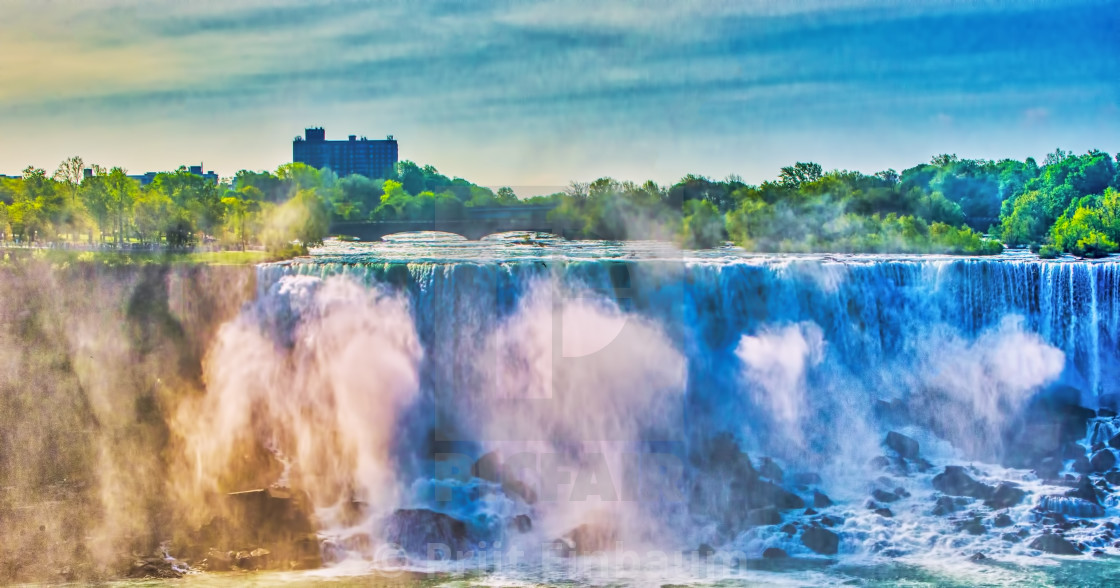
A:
x: 541, y: 93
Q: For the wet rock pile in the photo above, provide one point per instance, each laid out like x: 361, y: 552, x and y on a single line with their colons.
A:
x: 739, y: 495
x: 268, y: 528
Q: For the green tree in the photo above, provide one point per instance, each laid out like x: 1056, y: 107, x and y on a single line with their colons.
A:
x: 358, y: 197
x: 272, y: 187
x: 69, y: 173
x: 411, y: 177
x: 68, y: 179
x: 702, y: 226
x: 121, y: 193
x: 395, y: 202
x: 96, y: 198
x: 1092, y: 228
x: 26, y: 220
x: 299, y: 176
x: 151, y: 210
x: 747, y: 225
x: 43, y: 210
x: 799, y: 173
x: 239, y: 205
x: 301, y: 222
x: 506, y: 196
x: 1027, y: 220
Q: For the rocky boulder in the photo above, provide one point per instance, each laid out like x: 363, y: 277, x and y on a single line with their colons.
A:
x: 163, y: 568
x: 277, y: 520
x: 954, y: 481
x: 489, y: 467
x: 586, y: 539
x: 1005, y: 495
x: 1049, y: 422
x: 944, y: 506
x: 1114, y: 441
x: 883, y: 495
x: 759, y: 517
x: 821, y: 540
x: 521, y: 523
x: 821, y: 500
x: 270, y: 514
x: 1103, y: 460
x: 724, y: 474
x: 768, y: 494
x: 721, y: 456
x: 1084, y: 490
x: 904, y: 446
x: 727, y: 487
x: 253, y: 559
x: 1054, y: 544
x: 774, y: 553
x: 972, y: 526
x: 427, y: 534
x: 767, y: 468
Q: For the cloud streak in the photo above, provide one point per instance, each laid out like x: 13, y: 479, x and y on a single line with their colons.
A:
x: 705, y: 69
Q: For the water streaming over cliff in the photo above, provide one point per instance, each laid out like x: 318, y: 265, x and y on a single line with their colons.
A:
x: 592, y: 357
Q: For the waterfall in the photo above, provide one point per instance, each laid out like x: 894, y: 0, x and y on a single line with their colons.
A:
x: 866, y: 307
x: 585, y: 363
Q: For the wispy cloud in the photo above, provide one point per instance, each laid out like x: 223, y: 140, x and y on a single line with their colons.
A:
x: 700, y: 69
x: 1036, y: 115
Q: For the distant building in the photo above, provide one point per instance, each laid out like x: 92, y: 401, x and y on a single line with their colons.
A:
x: 197, y: 170
x: 150, y: 177
x: 145, y: 179
x: 372, y: 159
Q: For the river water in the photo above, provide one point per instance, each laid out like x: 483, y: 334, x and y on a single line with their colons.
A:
x: 380, y: 372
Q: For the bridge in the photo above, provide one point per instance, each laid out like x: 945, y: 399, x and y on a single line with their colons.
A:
x: 479, y: 222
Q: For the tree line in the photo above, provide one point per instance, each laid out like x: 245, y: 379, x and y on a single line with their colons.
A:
x: 283, y: 211
x: 1069, y: 203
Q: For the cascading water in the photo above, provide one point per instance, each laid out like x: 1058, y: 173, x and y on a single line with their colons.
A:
x: 601, y: 384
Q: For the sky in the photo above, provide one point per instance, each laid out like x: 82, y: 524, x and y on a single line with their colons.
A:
x: 535, y: 94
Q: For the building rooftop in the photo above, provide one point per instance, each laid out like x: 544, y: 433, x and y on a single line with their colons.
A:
x: 149, y: 177
x: 351, y: 156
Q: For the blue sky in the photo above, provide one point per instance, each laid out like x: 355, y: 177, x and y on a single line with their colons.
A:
x: 539, y: 93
